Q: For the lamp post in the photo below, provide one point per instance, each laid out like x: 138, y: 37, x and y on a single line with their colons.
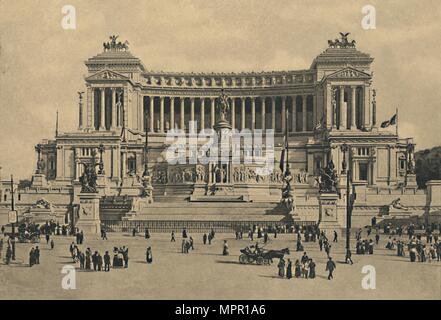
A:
x: 146, y: 146
x: 350, y: 198
x: 101, y: 164
x: 16, y: 219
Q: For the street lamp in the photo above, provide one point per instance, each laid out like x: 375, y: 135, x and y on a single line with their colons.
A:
x: 146, y: 146
x: 16, y: 219
x: 350, y: 198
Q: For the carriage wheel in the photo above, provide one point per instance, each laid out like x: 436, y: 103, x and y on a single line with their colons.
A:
x: 243, y: 259
x: 260, y: 261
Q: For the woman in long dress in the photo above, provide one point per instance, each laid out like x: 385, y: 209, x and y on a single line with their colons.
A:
x: 311, y: 269
x: 148, y: 254
x: 289, y: 269
x: 305, y: 269
x: 298, y: 269
x: 281, y: 266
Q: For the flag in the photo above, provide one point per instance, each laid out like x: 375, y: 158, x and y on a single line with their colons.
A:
x: 390, y: 122
x: 282, y: 156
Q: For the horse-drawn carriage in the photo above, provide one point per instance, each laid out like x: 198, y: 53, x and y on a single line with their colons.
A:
x: 260, y: 256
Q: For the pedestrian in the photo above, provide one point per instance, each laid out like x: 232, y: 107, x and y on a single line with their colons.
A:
x: 191, y: 243
x: 335, y: 237
x: 148, y: 255
x: 289, y: 270
x: 126, y: 256
x: 52, y: 244
x: 209, y: 238
x: 173, y: 239
x: 107, y: 262
x: 95, y: 261
x: 81, y: 258
x: 37, y: 255
x: 99, y: 262
x: 88, y: 259
x: 146, y: 233
x: 8, y: 254
x: 184, y: 233
x: 103, y: 234
x: 81, y: 237
x: 47, y: 237
x: 311, y: 269
x: 204, y: 238
x: 298, y: 270
x: 31, y: 257
x: 265, y: 237
x: 183, y: 246
x: 225, y: 249
x: 305, y: 268
x: 134, y: 232
x: 3, y: 230
x: 281, y: 266
x: 304, y: 258
x: 377, y: 238
x: 330, y: 267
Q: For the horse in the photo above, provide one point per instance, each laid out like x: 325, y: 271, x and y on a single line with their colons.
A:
x: 271, y: 254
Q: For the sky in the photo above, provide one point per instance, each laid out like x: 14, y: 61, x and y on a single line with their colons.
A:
x: 42, y: 64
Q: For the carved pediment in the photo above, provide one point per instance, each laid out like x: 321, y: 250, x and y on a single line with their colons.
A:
x: 107, y: 75
x: 349, y: 73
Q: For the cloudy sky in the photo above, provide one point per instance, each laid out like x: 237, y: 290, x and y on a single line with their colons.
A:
x: 42, y: 65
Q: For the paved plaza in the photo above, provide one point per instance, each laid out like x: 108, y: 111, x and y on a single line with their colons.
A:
x: 205, y: 274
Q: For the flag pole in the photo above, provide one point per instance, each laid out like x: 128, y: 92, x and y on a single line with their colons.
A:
x: 286, y: 137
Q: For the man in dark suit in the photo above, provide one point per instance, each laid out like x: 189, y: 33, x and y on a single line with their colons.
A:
x: 330, y: 266
x: 106, y: 261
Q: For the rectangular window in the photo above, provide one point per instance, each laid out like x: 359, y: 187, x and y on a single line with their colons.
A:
x: 363, y: 171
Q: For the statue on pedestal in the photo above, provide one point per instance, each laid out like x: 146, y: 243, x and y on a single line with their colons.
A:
x: 328, y: 179
x: 287, y: 192
x: 88, y: 179
x: 223, y: 106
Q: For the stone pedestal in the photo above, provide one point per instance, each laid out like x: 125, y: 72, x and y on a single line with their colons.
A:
x: 89, y: 213
x: 411, y: 180
x: 328, y: 217
x: 39, y: 180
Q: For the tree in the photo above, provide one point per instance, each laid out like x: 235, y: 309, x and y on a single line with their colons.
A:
x: 428, y: 165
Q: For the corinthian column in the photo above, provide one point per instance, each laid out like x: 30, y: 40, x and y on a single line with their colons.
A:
x: 304, y: 113
x: 242, y: 113
x: 182, y: 111
x: 283, y: 113
x: 294, y: 113
x: 102, y: 109
x: 273, y: 113
x: 161, y: 115
x: 353, y: 102
x: 263, y: 113
x: 213, y: 115
x: 172, y: 112
x: 343, y: 109
x: 113, y: 122
x: 152, y: 114
x: 253, y: 113
x: 202, y: 113
x: 191, y: 109
x: 233, y: 112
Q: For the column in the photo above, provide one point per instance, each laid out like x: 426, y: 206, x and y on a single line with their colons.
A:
x: 152, y: 114
x: 233, y: 112
x: 213, y: 115
x: 172, y: 112
x: 161, y: 115
x: 80, y: 113
x: 242, y: 113
x: 123, y: 164
x: 294, y: 113
x: 329, y: 108
x: 139, y: 117
x: 253, y: 113
x: 366, y: 107
x: 102, y: 109
x: 283, y: 113
x: 304, y: 113
x: 273, y: 114
x: 191, y: 109
x: 202, y: 113
x: 263, y: 112
x: 90, y: 107
x: 314, y: 110
x: 113, y: 121
x: 181, y: 109
x: 353, y: 103
x: 343, y: 111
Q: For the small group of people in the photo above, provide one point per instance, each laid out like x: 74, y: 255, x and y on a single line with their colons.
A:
x: 187, y: 245
x: 34, y: 256
x: 364, y: 246
x: 303, y: 268
x: 79, y: 236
